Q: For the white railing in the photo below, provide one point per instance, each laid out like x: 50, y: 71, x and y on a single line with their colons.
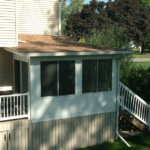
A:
x: 134, y: 104
x: 14, y: 106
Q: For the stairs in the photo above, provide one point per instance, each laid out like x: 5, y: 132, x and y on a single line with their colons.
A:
x: 133, y: 109
x: 129, y: 119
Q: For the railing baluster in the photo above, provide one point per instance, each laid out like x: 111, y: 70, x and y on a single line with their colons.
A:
x: 17, y: 106
x: 4, y: 106
x: 7, y: 106
x: 141, y: 111
x: 23, y: 105
x: 20, y: 105
x: 148, y: 118
x: 14, y: 104
x: 10, y: 106
x: 0, y: 108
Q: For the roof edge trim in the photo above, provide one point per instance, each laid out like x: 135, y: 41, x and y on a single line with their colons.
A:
x: 69, y: 53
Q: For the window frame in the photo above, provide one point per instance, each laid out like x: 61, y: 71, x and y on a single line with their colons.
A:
x: 96, y: 58
x: 58, y: 96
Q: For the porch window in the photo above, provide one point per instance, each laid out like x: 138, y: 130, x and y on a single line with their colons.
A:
x: 57, y: 78
x: 96, y: 75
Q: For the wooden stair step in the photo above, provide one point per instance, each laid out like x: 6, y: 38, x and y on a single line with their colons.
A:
x: 125, y: 117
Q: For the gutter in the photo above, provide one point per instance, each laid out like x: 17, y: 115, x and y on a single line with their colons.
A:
x: 117, y: 101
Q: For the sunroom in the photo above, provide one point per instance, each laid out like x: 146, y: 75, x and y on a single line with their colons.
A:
x: 66, y: 79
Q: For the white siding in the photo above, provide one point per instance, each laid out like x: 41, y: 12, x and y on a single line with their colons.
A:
x: 8, y: 28
x: 38, y: 17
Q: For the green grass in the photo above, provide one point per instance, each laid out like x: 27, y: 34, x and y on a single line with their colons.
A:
x: 143, y: 64
x: 136, y: 54
x: 138, y: 142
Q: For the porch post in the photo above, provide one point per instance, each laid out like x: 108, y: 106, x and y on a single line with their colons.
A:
x: 28, y: 105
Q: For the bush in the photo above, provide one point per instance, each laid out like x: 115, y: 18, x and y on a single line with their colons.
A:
x: 111, y: 37
x: 137, y: 79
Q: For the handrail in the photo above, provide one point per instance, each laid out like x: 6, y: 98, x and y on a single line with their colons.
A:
x: 129, y: 90
x: 12, y: 95
x: 134, y: 104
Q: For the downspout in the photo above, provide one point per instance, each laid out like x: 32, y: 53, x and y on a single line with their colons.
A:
x: 59, y: 20
x: 118, y: 96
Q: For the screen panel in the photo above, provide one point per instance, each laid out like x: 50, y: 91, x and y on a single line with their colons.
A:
x: 89, y: 76
x: 104, y: 75
x: 48, y: 78
x: 66, y: 77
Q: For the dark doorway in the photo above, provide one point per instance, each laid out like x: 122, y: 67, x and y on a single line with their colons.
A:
x: 17, y: 76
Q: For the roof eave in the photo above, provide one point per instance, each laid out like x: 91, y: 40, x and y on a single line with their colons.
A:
x: 69, y: 53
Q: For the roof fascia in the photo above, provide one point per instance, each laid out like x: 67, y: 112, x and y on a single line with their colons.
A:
x: 14, y: 52
x: 69, y: 53
x: 76, y: 53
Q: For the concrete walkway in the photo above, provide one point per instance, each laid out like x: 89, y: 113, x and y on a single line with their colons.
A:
x: 140, y: 59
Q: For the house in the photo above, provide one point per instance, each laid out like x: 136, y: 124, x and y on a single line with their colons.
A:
x: 55, y: 93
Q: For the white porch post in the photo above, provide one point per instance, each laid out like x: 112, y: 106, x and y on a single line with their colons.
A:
x: 28, y: 101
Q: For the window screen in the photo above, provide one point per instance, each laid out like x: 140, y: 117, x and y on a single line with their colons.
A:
x: 57, y: 78
x: 66, y: 77
x: 96, y: 75
x: 48, y: 78
x: 89, y: 75
x: 104, y: 75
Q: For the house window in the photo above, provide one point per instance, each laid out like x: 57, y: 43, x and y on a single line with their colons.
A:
x: 96, y: 75
x: 57, y: 78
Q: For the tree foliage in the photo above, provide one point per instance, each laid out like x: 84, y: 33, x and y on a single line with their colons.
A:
x: 112, y: 37
x: 92, y: 16
x: 126, y: 14
x: 73, y: 7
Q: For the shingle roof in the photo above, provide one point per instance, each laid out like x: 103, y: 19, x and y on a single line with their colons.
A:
x: 51, y: 44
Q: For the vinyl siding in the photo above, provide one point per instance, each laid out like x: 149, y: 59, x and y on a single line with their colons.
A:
x: 6, y: 68
x: 8, y: 28
x: 38, y: 17
x: 74, y: 133
x: 63, y: 134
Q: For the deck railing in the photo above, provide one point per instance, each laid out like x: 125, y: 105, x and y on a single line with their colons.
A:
x: 134, y: 104
x: 14, y: 106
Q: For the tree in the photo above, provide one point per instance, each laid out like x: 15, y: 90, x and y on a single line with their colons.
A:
x: 145, y: 3
x: 129, y: 15
x: 73, y: 7
x: 92, y: 16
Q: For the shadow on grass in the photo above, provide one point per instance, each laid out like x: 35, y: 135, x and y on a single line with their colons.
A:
x: 137, y: 142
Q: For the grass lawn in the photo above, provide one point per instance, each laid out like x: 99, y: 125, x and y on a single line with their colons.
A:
x: 137, y: 142
x: 136, y: 54
x: 143, y: 64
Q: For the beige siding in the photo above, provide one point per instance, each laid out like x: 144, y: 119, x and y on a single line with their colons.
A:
x: 6, y: 68
x: 63, y: 134
x: 8, y: 23
x: 73, y: 133
x: 17, y: 135
x: 38, y: 17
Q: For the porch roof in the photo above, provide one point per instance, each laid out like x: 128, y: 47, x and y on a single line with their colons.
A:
x: 48, y: 45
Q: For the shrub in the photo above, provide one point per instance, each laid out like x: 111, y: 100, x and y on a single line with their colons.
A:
x: 111, y: 37
x: 137, y: 79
